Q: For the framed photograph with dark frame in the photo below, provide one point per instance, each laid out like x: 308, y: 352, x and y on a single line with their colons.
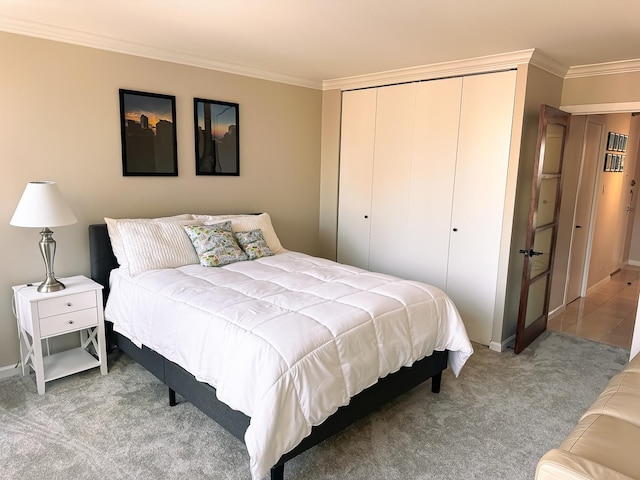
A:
x: 217, y: 131
x: 148, y: 129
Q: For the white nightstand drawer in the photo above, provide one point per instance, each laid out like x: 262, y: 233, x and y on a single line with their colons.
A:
x: 68, y: 322
x: 68, y: 303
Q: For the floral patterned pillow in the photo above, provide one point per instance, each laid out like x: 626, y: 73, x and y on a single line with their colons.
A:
x: 253, y: 244
x: 215, y: 244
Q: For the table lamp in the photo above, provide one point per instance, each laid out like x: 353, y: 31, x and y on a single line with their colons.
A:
x: 42, y: 205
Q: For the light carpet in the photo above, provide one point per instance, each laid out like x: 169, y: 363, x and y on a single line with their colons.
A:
x: 493, y: 422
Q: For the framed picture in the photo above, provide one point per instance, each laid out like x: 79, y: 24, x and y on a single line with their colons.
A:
x: 607, y: 162
x: 623, y: 144
x: 217, y: 131
x: 148, y: 129
x: 611, y: 141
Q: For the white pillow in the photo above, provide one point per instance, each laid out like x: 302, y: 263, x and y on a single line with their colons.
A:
x: 116, y: 240
x: 245, y: 223
x: 153, y: 245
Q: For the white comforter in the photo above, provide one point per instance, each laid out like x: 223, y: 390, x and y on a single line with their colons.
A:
x: 285, y: 339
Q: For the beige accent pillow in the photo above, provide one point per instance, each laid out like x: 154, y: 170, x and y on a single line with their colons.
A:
x: 245, y: 223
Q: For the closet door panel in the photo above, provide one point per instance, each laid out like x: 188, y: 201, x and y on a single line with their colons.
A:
x: 391, y: 174
x: 478, y: 204
x: 433, y: 167
x: 356, y: 172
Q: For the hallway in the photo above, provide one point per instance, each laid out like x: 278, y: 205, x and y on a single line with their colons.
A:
x: 607, y: 314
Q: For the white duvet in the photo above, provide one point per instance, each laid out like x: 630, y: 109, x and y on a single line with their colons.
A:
x: 285, y: 339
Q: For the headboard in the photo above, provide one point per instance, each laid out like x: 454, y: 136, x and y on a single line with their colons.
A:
x: 101, y: 256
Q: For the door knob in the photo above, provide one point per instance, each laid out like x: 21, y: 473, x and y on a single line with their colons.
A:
x: 530, y: 253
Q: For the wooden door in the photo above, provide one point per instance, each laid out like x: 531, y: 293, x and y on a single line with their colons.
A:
x: 486, y: 119
x: 544, y: 208
x: 356, y: 173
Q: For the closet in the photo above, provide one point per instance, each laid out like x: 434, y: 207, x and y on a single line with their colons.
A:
x: 423, y: 173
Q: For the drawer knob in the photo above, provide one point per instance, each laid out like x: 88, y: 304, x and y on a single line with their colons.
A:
x: 70, y: 322
x: 68, y: 304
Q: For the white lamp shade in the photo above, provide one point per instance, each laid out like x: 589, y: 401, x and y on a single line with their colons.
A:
x: 42, y: 205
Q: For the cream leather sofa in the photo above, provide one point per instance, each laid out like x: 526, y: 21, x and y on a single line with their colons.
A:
x: 606, y: 442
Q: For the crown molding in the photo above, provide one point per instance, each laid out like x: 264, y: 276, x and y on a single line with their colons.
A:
x: 76, y: 37
x: 490, y: 63
x: 610, y: 68
x: 548, y: 64
x: 598, y: 108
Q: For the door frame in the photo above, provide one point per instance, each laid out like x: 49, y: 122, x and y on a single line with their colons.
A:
x: 592, y: 109
x: 592, y: 215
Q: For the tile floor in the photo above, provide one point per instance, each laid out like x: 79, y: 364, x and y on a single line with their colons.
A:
x: 607, y: 314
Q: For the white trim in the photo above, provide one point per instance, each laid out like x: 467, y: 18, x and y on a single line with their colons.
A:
x: 501, y: 347
x: 503, y: 61
x: 634, y: 263
x: 85, y: 39
x: 604, y: 281
x: 9, y: 371
x: 598, y: 108
x: 609, y: 68
x: 556, y: 311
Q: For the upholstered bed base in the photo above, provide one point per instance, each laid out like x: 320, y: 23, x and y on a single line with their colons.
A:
x: 204, y: 397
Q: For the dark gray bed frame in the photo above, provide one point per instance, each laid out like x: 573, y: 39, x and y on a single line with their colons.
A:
x: 204, y: 396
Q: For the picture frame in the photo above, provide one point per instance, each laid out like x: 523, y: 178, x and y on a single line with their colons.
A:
x: 148, y: 131
x: 611, y: 141
x: 623, y: 143
x: 607, y: 162
x: 217, y: 137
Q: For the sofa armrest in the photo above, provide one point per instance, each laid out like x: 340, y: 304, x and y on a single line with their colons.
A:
x: 560, y: 464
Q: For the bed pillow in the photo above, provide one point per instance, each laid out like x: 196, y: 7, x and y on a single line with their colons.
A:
x: 153, y: 245
x: 253, y: 244
x: 215, y: 244
x: 245, y: 223
x: 115, y: 237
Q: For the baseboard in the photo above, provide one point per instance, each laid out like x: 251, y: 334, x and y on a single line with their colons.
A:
x: 9, y: 371
x: 557, y: 311
x: 600, y: 283
x: 635, y: 263
x: 501, y: 347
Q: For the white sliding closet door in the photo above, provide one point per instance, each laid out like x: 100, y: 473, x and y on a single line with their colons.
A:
x: 356, y: 171
x: 388, y: 247
x: 478, y: 205
x: 430, y: 186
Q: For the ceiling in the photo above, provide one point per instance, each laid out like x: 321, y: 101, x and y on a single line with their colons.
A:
x: 307, y: 42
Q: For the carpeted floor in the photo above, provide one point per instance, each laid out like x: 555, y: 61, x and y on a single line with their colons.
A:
x: 494, y: 421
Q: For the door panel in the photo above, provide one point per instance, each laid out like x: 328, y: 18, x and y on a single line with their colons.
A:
x: 578, y: 263
x: 356, y: 172
x: 433, y: 167
x: 544, y: 209
x: 388, y: 245
x: 486, y: 118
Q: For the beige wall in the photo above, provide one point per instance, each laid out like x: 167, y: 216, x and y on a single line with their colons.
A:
x: 331, y: 114
x: 616, y: 88
x: 632, y: 248
x: 610, y: 228
x: 60, y: 121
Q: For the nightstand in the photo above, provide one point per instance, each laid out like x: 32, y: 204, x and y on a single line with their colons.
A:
x: 40, y: 316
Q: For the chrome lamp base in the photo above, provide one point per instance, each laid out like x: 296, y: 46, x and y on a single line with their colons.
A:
x: 48, y: 251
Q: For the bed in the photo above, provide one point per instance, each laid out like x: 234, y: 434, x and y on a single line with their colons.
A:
x: 306, y: 328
